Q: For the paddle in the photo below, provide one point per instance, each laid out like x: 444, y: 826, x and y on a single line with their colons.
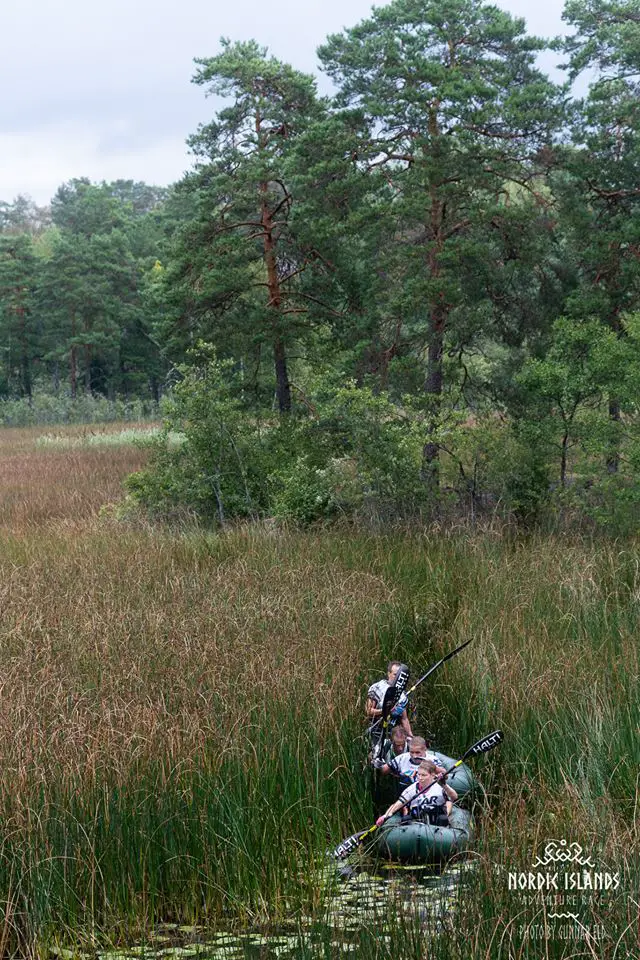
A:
x: 424, y: 677
x: 481, y: 746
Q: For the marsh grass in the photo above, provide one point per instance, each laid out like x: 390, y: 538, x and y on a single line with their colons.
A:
x: 181, y: 712
x: 99, y: 438
x: 66, y: 481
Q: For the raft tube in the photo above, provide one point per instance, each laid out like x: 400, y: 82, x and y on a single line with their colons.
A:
x: 417, y: 842
x: 462, y: 779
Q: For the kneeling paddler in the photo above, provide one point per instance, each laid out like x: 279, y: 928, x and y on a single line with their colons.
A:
x: 429, y: 799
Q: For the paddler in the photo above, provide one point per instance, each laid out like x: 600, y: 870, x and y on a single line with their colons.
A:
x: 397, y: 744
x: 406, y: 765
x: 429, y: 799
x: 375, y: 699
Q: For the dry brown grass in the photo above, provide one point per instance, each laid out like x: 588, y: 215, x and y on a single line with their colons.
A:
x: 117, y: 645
x: 39, y: 484
x: 121, y: 643
x: 121, y: 648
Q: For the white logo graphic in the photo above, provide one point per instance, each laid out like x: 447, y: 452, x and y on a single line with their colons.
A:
x: 574, y: 878
x: 559, y: 851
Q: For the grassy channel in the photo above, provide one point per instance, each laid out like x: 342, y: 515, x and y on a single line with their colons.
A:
x: 181, y: 714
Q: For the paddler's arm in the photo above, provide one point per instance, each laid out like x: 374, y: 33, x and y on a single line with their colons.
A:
x: 371, y: 710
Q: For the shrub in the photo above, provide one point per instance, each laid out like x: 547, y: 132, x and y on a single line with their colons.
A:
x: 356, y: 454
x: 48, y: 409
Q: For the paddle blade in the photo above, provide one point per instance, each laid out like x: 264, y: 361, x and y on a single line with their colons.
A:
x: 402, y: 679
x: 395, y: 690
x: 350, y: 844
x: 486, y: 744
x: 388, y: 702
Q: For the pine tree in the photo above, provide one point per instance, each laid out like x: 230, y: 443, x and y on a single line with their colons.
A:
x: 18, y: 330
x: 458, y: 116
x: 237, y: 266
x: 600, y: 190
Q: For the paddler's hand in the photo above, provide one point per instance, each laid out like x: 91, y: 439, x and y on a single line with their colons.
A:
x: 400, y: 706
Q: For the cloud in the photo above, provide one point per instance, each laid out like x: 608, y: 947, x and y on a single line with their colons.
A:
x: 103, y: 90
x: 43, y: 159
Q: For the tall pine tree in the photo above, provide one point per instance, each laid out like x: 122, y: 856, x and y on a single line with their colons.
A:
x: 237, y: 266
x: 457, y: 116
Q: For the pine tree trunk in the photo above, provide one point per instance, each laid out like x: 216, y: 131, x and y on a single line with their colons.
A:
x: 283, y: 387
x: 73, y: 361
x: 433, y: 389
x: 563, y: 459
x: 437, y: 321
x: 613, y: 457
x: 24, y: 355
x: 87, y: 368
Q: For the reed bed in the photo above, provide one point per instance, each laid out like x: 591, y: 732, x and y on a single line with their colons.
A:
x: 181, y: 714
x: 42, y: 481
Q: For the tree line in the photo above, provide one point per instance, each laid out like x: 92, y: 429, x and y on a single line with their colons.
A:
x: 425, y: 286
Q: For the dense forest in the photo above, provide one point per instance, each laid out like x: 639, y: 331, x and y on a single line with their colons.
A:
x: 420, y: 296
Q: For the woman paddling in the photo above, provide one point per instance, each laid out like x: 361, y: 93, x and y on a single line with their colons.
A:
x: 429, y: 799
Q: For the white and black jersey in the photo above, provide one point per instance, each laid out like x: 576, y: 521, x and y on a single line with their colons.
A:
x: 377, y: 691
x: 426, y: 805
x: 403, y: 767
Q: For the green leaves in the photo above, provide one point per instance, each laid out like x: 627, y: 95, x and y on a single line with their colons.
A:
x: 238, y: 266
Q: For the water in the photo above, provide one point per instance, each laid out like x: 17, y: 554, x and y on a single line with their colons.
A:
x: 366, y: 900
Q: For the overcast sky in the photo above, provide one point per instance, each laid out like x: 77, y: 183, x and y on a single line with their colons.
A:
x: 102, y: 89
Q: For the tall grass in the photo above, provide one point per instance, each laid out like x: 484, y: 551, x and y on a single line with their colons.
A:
x: 48, y: 408
x: 181, y: 714
x: 44, y: 483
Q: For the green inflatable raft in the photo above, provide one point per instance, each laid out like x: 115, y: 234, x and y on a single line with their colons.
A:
x: 462, y: 779
x: 414, y: 842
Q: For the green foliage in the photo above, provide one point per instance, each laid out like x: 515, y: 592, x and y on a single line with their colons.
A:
x: 430, y: 277
x: 494, y: 469
x: 355, y: 454
x: 234, y: 270
x: 360, y: 458
x: 607, y: 35
x: 18, y: 332
x: 457, y: 115
x: 216, y: 472
x: 564, y: 391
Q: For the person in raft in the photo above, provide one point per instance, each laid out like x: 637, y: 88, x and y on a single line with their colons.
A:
x: 375, y: 698
x: 396, y: 745
x: 405, y: 766
x: 429, y: 799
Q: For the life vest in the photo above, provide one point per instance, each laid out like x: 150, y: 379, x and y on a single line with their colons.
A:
x: 428, y: 806
x: 376, y: 692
